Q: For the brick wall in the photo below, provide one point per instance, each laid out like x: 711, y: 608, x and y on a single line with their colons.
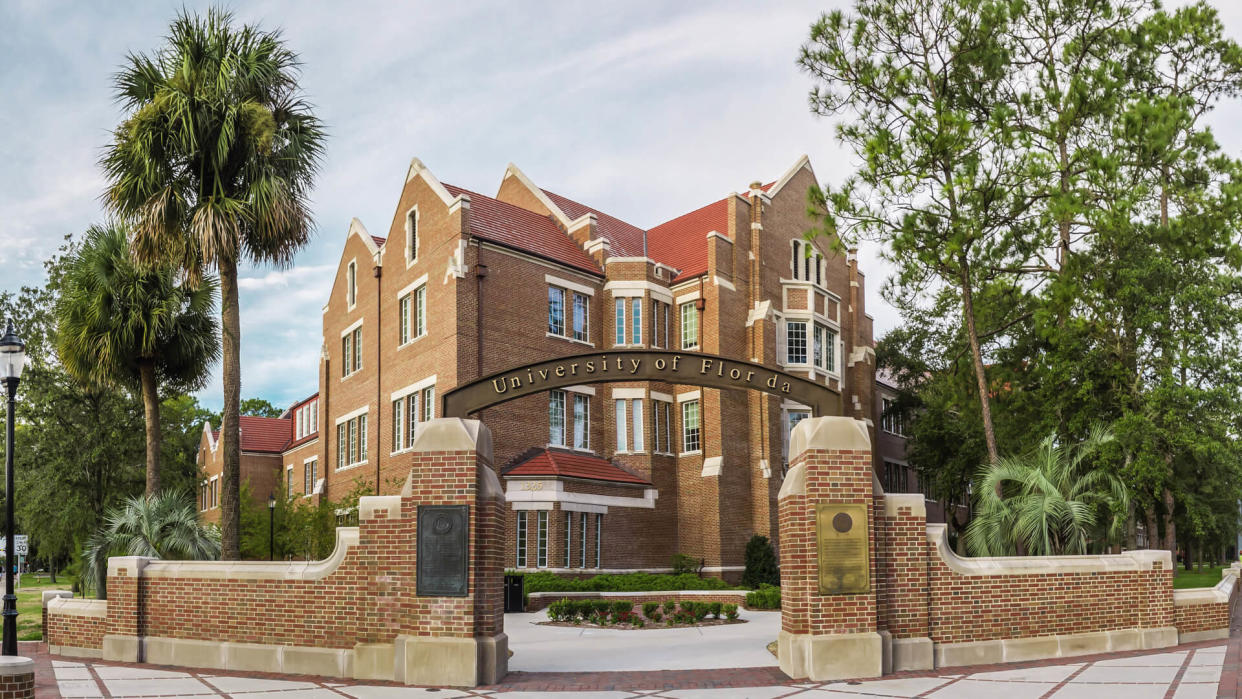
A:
x: 1201, y: 611
x: 74, y: 624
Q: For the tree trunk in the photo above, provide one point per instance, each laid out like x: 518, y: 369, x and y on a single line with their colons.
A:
x: 51, y: 569
x: 985, y: 405
x: 1170, y: 528
x: 151, y: 404
x: 230, y: 426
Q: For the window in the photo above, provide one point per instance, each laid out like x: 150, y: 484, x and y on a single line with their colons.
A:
x: 806, y: 258
x: 351, y: 351
x: 403, y: 319
x: 556, y: 311
x: 580, y: 317
x: 556, y: 418
x: 663, y: 426
x: 623, y: 425
x: 351, y: 442
x: 599, y: 529
x: 309, y: 476
x: 521, y: 539
x: 289, y: 481
x: 636, y: 415
x: 795, y: 342
x: 825, y: 348
x: 407, y: 412
x: 411, y: 235
x: 412, y: 315
x: 689, y: 326
x: 690, y: 426
x: 351, y: 284
x: 629, y: 429
x: 896, y: 478
x: 582, y: 421
x: 792, y: 418
x: 541, y: 541
x: 636, y: 321
x: 398, y: 424
x: 620, y: 322
x: 582, y: 538
x: 659, y: 324
x: 569, y: 538
x: 891, y: 419
x: 420, y: 311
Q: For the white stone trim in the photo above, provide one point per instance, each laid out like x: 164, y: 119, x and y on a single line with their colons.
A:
x: 416, y: 386
x: 723, y: 283
x: 418, y: 169
x: 802, y: 162
x: 684, y: 298
x: 354, y: 413
x: 914, y: 501
x: 1219, y: 594
x: 1043, y: 565
x: 352, y: 327
x: 412, y: 286
x: 566, y: 284
x: 583, y: 507
x: 585, y: 390
x: 67, y: 606
x: 1010, y: 650
x: 688, y: 395
x: 718, y: 234
x: 554, y: 491
x: 532, y: 506
x: 629, y: 393
x: 638, y: 288
x: 712, y: 466
x: 512, y: 171
x: 369, y: 505
x: 346, y: 538
x: 666, y: 397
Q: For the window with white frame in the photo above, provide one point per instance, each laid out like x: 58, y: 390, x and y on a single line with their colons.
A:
x: 582, y: 421
x: 891, y: 419
x: 629, y: 419
x: 582, y: 539
x: 521, y: 539
x: 623, y: 424
x: 599, y: 535
x: 663, y: 411
x: 541, y: 541
x: 556, y: 311
x: 825, y: 348
x: 411, y: 235
x: 636, y: 321
x: 690, y: 426
x: 619, y: 322
x: 351, y: 442
x: 412, y: 315
x: 407, y: 411
x: 569, y: 539
x: 568, y: 314
x: 808, y: 263
x: 659, y: 324
x: 795, y: 342
x: 351, y: 284
x: 581, y: 315
x: 636, y: 423
x: 556, y: 418
x: 792, y: 418
x: 310, y: 474
x: 351, y: 352
x: 289, y: 481
x: 689, y: 326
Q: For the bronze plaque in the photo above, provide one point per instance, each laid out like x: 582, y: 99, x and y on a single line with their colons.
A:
x: 443, y: 550
x: 841, y: 540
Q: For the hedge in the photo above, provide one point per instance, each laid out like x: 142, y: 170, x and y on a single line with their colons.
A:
x: 624, y: 582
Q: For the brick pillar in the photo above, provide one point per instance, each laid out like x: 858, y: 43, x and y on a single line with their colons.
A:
x: 457, y: 640
x: 901, y: 565
x: 122, y: 636
x: 48, y: 596
x: 16, y: 677
x: 833, y: 635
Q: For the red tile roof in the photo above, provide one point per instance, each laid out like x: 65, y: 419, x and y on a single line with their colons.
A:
x: 563, y: 464
x: 624, y: 239
x: 682, y: 242
x: 515, y: 227
x: 268, y: 434
x: 379, y: 242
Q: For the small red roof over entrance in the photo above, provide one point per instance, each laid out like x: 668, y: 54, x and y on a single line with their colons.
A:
x: 554, y: 463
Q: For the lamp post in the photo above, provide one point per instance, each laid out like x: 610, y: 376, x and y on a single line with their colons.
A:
x: 12, y: 360
x: 271, y: 527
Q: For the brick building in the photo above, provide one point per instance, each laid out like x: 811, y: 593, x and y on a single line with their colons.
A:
x: 601, y: 477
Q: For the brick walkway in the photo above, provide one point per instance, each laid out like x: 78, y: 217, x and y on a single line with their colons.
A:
x: 1204, y: 670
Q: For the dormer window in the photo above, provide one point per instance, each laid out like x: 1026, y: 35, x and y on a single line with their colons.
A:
x: 411, y: 236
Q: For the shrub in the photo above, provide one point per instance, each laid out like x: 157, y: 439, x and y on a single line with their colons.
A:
x: 544, y: 581
x: 730, y: 611
x: 561, y: 610
x: 600, y: 607
x: 714, y: 608
x: 650, y: 609
x: 669, y: 606
x: 684, y: 564
x: 655, y: 615
x: 766, y: 597
x: 622, y: 607
x: 761, y: 568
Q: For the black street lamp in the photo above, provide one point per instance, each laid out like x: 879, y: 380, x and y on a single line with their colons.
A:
x: 12, y: 360
x: 271, y: 527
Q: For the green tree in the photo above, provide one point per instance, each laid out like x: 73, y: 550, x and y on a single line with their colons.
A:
x: 260, y: 408
x: 761, y: 567
x: 164, y: 525
x: 1052, y: 501
x: 213, y: 163
x: 121, y: 323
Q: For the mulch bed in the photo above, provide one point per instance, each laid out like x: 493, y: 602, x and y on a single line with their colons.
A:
x: 650, y: 624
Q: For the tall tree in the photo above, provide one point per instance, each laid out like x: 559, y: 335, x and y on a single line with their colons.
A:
x: 260, y: 408
x: 119, y: 322
x: 214, y: 163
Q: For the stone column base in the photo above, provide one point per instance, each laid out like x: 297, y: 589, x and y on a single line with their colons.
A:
x: 912, y: 654
x: 454, y: 662
x: 125, y: 649
x: 831, y: 656
x: 16, y: 677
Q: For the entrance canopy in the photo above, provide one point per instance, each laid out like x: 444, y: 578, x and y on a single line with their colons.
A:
x: 686, y: 368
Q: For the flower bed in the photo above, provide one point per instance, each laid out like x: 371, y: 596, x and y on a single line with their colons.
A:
x: 538, y: 601
x: 544, y: 581
x: 622, y: 614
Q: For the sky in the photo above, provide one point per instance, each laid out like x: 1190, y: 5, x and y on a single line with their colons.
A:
x: 642, y: 109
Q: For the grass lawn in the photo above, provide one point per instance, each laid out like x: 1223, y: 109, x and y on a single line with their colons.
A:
x: 30, y: 604
x: 1183, y: 578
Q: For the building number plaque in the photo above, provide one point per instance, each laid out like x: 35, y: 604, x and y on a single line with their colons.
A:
x: 443, y: 550
x: 841, y: 540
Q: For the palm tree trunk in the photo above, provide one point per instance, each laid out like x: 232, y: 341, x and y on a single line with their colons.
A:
x: 151, y: 404
x: 230, y: 426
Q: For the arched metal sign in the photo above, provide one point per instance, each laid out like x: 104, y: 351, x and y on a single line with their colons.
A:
x: 686, y: 368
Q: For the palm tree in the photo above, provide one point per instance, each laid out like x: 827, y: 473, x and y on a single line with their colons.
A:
x: 164, y: 525
x: 119, y: 322
x: 1050, y: 502
x: 213, y: 164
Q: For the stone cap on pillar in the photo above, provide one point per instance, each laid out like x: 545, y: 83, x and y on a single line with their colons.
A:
x: 132, y: 565
x: 834, y: 433
x: 453, y: 434
x: 11, y: 665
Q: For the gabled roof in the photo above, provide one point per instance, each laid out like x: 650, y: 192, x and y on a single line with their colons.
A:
x: 682, y: 242
x: 518, y: 228
x: 625, y: 239
x: 555, y: 463
x: 259, y: 434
